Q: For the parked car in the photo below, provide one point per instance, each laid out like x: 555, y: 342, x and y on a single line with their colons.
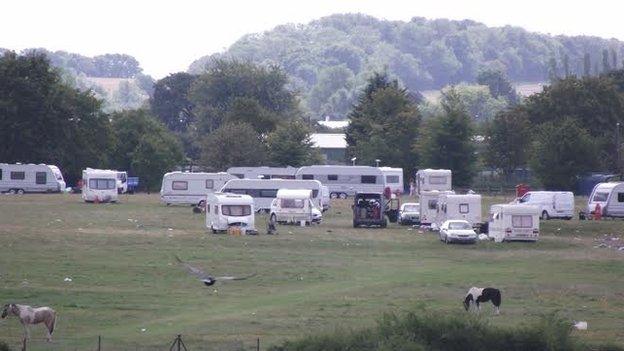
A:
x: 409, y: 213
x: 457, y: 231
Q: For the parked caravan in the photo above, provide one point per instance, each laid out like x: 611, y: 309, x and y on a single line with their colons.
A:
x: 99, y: 185
x: 610, y: 197
x: 263, y: 172
x: 225, y: 210
x: 263, y: 191
x: 429, y: 205
x: 344, y: 181
x: 190, y: 188
x: 393, y: 179
x: 455, y: 207
x: 552, y: 204
x: 433, y: 179
x: 20, y: 178
x: 294, y: 206
x: 514, y: 222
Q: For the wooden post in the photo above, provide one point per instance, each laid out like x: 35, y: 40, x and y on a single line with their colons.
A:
x: 179, y: 341
x: 24, y: 344
x: 99, y: 343
x: 258, y: 344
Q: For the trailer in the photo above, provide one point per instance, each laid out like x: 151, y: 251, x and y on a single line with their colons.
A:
x: 428, y: 201
x: 263, y: 191
x: 610, y: 197
x: 21, y: 178
x: 191, y: 188
x: 294, y: 206
x: 513, y: 222
x: 393, y: 179
x: 433, y: 179
x: 344, y: 181
x: 263, y: 172
x: 459, y: 207
x: 225, y: 210
x: 99, y: 185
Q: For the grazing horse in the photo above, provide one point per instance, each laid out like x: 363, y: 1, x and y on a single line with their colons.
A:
x: 478, y: 295
x: 29, y: 315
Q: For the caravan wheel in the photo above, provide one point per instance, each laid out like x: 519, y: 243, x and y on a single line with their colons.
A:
x: 12, y: 191
x: 333, y: 195
x: 545, y: 216
x: 20, y: 191
x: 343, y: 196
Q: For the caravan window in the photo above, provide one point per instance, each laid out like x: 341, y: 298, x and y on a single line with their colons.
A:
x: 620, y: 197
x: 18, y: 175
x: 332, y: 177
x: 433, y: 204
x: 292, y: 203
x: 41, y: 178
x: 209, y: 184
x: 464, y: 208
x: 600, y: 197
x: 102, y: 183
x: 392, y: 179
x: 522, y: 221
x: 240, y: 176
x: 179, y: 185
x: 268, y: 192
x: 307, y: 176
x: 437, y: 180
x: 367, y: 179
x: 236, y: 210
x: 0, y: 173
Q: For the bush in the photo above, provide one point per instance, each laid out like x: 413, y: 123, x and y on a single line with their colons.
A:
x: 423, y: 330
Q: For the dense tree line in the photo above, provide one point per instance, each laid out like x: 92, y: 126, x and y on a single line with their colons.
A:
x: 329, y: 60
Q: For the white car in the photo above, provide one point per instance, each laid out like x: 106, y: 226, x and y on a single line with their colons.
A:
x: 409, y: 213
x: 457, y: 231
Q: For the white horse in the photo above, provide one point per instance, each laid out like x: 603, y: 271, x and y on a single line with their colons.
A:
x: 29, y: 315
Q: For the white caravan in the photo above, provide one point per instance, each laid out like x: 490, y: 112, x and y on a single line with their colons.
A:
x: 454, y: 206
x: 294, y: 206
x: 190, y: 188
x: 513, y: 222
x: 393, y: 178
x: 30, y: 178
x: 227, y: 210
x: 344, y: 181
x: 263, y: 191
x: 433, y: 179
x: 552, y: 204
x: 122, y: 182
x: 429, y: 205
x: 325, y: 198
x: 263, y: 172
x: 610, y: 196
x: 99, y: 185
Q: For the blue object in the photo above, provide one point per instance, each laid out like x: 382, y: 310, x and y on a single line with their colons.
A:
x: 133, y: 184
x: 586, y: 184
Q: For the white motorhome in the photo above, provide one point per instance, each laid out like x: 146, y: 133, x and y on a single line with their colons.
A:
x: 263, y: 172
x: 344, y: 181
x: 20, y: 178
x: 610, y: 196
x: 393, y: 178
x: 513, y: 222
x: 294, y: 206
x: 263, y: 191
x: 552, y: 204
x: 455, y: 206
x: 99, y: 185
x: 190, y: 188
x: 227, y: 210
x: 433, y: 179
x: 428, y: 201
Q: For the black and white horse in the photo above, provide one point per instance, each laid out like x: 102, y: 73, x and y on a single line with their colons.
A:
x: 31, y: 315
x: 478, y: 295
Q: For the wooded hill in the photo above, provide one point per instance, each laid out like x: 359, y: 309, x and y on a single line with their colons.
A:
x: 330, y: 59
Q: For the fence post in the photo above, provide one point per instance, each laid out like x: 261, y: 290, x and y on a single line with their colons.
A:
x: 24, y: 344
x: 258, y: 344
x: 99, y: 343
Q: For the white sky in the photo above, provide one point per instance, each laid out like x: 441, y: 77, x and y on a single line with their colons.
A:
x: 166, y: 36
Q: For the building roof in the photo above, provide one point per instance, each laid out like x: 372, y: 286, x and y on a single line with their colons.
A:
x: 335, y: 124
x: 329, y: 141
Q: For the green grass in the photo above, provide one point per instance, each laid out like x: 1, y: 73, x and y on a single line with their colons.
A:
x: 310, y: 280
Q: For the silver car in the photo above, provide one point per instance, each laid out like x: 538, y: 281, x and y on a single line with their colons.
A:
x: 409, y: 213
x: 457, y: 231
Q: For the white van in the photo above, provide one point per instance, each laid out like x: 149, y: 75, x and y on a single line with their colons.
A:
x: 610, y: 196
x: 226, y: 210
x: 429, y: 205
x: 263, y: 191
x: 122, y: 182
x: 30, y: 178
x: 513, y: 222
x: 433, y: 179
x: 454, y: 206
x: 263, y: 172
x: 393, y: 179
x: 552, y: 204
x: 294, y: 206
x: 344, y: 181
x: 99, y: 185
x: 190, y: 188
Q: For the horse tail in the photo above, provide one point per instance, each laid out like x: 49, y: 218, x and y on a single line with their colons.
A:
x: 53, y: 324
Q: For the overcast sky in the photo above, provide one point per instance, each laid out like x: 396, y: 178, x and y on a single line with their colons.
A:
x: 166, y: 36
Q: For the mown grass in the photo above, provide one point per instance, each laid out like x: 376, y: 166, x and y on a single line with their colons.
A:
x: 309, y: 280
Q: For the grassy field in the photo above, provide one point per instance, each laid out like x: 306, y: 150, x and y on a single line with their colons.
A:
x: 127, y: 287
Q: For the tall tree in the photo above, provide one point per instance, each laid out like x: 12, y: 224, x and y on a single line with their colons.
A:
x: 498, y: 84
x: 232, y: 144
x: 290, y: 145
x: 561, y: 152
x: 447, y: 141
x: 384, y: 125
x: 43, y: 120
x: 508, y: 138
x: 171, y: 103
x: 586, y: 65
x: 606, y: 66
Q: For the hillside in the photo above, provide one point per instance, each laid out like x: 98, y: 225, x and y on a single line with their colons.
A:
x: 330, y: 58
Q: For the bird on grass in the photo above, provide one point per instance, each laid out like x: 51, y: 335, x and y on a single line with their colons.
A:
x: 206, y: 278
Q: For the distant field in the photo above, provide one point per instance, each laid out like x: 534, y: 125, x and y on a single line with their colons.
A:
x: 121, y: 260
x: 110, y: 85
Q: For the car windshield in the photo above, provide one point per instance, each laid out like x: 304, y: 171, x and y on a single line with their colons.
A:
x: 600, y: 197
x: 459, y: 225
x: 410, y: 208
